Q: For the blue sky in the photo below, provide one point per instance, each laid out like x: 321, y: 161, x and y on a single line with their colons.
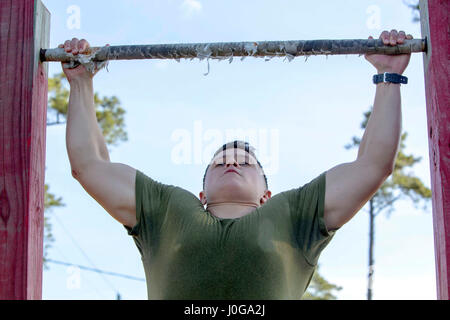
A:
x: 299, y: 115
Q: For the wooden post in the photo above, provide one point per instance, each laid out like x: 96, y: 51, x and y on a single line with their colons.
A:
x: 434, y: 22
x: 24, y: 29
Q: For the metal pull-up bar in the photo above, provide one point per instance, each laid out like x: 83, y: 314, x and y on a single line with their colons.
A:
x: 228, y: 50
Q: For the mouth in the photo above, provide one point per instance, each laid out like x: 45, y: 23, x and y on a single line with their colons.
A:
x: 229, y: 171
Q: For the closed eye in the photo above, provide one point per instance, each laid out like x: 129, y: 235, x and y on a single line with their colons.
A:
x: 241, y: 164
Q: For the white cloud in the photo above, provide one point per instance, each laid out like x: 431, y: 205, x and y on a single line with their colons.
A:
x: 191, y: 7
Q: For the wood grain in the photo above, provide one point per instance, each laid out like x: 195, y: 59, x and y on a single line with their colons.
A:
x: 24, y: 29
x: 434, y: 23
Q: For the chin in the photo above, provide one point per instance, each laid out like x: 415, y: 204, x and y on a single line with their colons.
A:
x: 233, y: 184
x: 235, y: 191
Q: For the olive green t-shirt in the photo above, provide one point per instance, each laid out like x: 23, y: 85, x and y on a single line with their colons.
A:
x: 188, y: 253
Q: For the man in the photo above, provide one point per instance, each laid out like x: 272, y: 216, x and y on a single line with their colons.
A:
x: 246, y: 244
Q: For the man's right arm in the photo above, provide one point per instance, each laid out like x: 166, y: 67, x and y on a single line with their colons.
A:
x: 112, y: 185
x: 84, y: 139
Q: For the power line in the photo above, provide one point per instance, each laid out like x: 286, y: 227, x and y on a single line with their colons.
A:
x: 89, y: 282
x: 96, y: 270
x: 84, y: 254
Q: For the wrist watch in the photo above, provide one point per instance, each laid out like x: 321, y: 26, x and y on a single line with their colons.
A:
x: 390, y: 77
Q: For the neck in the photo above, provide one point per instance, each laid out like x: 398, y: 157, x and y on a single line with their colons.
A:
x: 231, y: 210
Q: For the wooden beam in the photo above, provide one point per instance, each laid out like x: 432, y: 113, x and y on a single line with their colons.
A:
x: 24, y: 29
x: 434, y: 23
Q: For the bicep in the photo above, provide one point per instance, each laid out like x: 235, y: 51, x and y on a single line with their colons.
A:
x: 112, y: 185
x: 348, y: 187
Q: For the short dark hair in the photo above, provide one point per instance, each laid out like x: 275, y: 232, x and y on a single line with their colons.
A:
x: 242, y: 145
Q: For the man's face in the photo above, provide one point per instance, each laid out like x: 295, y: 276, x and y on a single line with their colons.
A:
x: 234, y: 176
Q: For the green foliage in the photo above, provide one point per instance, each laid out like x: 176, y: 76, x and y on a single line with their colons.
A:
x: 58, y: 94
x: 320, y: 289
x: 110, y: 117
x: 50, y: 202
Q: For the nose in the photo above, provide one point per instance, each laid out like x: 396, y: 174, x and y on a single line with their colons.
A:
x: 234, y: 164
x: 231, y: 162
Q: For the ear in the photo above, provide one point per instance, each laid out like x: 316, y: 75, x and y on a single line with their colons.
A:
x: 265, y: 197
x: 202, y: 197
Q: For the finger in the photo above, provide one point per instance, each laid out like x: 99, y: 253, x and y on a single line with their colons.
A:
x: 401, y: 37
x: 83, y: 46
x: 385, y: 37
x: 393, y: 37
x: 74, y: 45
x: 67, y: 47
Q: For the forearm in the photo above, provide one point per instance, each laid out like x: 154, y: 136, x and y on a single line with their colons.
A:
x: 84, y: 140
x: 381, y: 138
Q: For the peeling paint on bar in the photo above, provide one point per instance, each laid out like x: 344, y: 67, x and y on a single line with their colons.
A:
x: 229, y: 50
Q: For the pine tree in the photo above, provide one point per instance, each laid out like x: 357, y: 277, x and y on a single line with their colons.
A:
x: 402, y: 184
x: 320, y: 289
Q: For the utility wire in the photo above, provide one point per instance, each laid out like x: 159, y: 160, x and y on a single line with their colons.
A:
x: 97, y: 270
x: 89, y: 282
x: 85, y: 255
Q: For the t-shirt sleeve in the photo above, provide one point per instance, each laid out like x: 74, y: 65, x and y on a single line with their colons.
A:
x: 152, y: 198
x: 307, y: 213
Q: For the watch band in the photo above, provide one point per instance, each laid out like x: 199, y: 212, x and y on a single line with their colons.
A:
x: 390, y: 77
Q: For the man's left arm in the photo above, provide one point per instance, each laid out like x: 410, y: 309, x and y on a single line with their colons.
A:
x: 350, y: 185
